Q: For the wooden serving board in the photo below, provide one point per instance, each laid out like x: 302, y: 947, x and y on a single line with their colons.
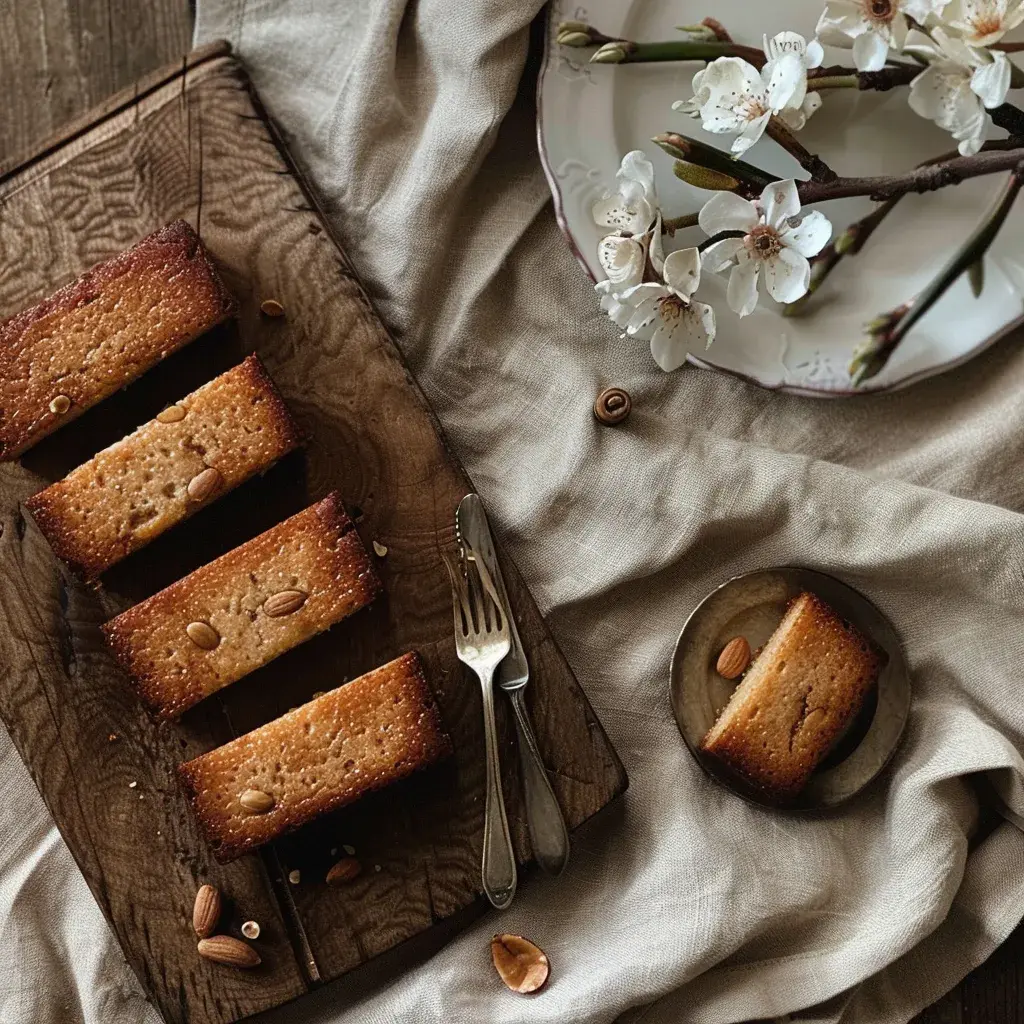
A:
x: 194, y: 142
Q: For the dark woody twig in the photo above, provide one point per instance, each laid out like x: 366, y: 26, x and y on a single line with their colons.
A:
x: 887, y: 331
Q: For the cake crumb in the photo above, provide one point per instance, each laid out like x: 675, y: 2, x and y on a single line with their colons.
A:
x: 132, y: 784
x: 295, y: 877
x: 350, y: 850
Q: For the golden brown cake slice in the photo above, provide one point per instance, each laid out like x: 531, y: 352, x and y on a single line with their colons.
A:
x: 241, y: 611
x: 796, y: 699
x: 98, y: 333
x: 193, y: 452
x: 358, y: 738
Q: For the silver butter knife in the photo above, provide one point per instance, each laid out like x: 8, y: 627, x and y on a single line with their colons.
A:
x: 548, y: 834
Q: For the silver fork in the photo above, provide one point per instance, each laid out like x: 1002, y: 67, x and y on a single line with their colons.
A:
x: 482, y: 640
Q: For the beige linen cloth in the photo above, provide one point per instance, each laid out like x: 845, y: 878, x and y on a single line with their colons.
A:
x: 681, y: 903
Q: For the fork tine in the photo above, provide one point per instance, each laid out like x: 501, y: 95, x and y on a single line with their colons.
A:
x: 492, y: 592
x: 487, y: 604
x: 460, y: 604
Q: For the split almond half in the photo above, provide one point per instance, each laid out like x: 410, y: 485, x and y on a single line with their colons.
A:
x: 520, y: 964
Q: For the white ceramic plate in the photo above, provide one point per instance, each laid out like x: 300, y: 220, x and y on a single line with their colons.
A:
x: 590, y: 115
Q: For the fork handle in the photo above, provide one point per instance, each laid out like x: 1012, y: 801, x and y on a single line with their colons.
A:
x: 548, y: 833
x: 499, y: 860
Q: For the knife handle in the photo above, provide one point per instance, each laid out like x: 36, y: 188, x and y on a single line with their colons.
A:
x: 499, y: 860
x: 548, y: 833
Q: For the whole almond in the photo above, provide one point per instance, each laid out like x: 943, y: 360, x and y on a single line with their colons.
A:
x: 344, y: 871
x: 203, y: 484
x: 521, y: 965
x: 60, y: 405
x: 172, y: 414
x: 734, y: 659
x: 256, y: 801
x: 227, y: 950
x: 203, y: 635
x: 206, y: 912
x: 284, y: 603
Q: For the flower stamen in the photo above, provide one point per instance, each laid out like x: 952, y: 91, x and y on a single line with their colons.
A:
x: 763, y: 243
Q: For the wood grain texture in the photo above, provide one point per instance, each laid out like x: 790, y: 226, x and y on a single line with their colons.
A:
x: 199, y: 146
x: 61, y: 57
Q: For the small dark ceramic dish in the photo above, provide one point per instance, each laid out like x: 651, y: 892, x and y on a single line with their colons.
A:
x: 752, y: 605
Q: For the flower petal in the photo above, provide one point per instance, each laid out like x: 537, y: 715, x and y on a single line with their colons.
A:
x: 636, y: 167
x: 870, y: 51
x: 991, y: 82
x: 742, y: 291
x: 644, y: 300
x: 721, y: 255
x: 814, y: 56
x: 615, y: 212
x: 840, y: 23
x: 727, y: 211
x: 656, y: 247
x: 810, y: 236
x: 751, y: 134
x: 622, y: 260
x: 684, y: 330
x: 780, y: 201
x: 918, y: 44
x: 787, y: 276
x: 787, y: 80
x: 682, y: 271
x: 920, y: 10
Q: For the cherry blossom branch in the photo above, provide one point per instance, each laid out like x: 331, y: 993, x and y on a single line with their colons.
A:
x: 693, y: 156
x: 929, y: 178
x: 717, y: 43
x: 670, y: 225
x: 579, y: 33
x: 717, y: 29
x: 720, y: 237
x: 625, y: 51
x: 887, y: 331
x: 810, y: 162
x: 851, y: 241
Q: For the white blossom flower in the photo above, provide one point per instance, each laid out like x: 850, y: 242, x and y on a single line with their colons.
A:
x: 664, y: 313
x: 633, y: 205
x: 873, y: 27
x: 622, y: 260
x: 790, y: 57
x: 767, y: 239
x: 730, y: 96
x: 957, y: 87
x: 984, y: 22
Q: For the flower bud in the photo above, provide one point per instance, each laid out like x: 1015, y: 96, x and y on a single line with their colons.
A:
x: 673, y: 144
x: 704, y: 177
x: 573, y: 38
x: 610, y: 53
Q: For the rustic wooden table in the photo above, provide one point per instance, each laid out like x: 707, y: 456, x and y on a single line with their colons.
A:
x: 58, y: 58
